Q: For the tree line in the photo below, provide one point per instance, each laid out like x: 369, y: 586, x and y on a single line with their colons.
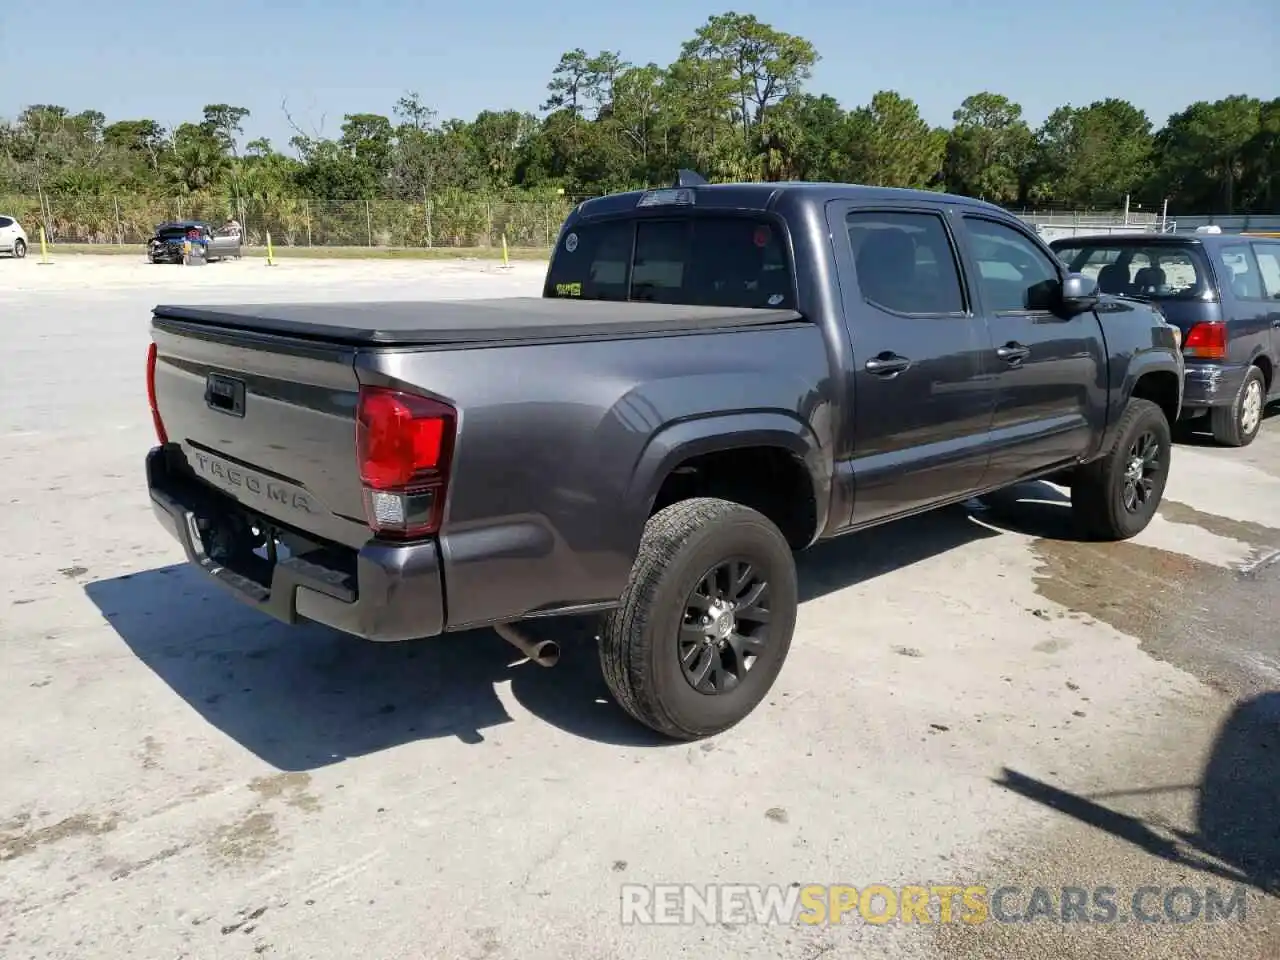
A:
x: 734, y: 105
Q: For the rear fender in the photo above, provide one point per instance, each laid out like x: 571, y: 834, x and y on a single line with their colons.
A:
x: 677, y: 442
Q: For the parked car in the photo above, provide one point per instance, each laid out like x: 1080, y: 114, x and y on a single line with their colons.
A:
x: 13, y: 239
x: 715, y: 377
x: 166, y: 245
x: 1223, y: 292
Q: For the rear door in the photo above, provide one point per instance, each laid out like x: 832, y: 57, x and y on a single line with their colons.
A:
x: 1267, y: 253
x: 1249, y: 323
x: 1050, y: 372
x: 921, y: 400
x: 222, y: 244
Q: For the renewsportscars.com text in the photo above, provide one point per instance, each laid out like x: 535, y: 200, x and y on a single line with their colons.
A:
x: 812, y: 904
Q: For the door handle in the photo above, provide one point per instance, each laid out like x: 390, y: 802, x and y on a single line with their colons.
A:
x: 1013, y: 353
x: 887, y: 364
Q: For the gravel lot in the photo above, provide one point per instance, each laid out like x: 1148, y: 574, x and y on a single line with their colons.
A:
x: 970, y: 698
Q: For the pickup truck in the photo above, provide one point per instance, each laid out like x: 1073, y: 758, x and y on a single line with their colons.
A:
x: 1223, y: 292
x: 715, y: 377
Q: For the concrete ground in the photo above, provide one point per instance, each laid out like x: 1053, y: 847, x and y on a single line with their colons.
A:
x: 972, y: 697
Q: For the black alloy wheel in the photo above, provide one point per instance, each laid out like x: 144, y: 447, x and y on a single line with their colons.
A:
x: 725, y: 626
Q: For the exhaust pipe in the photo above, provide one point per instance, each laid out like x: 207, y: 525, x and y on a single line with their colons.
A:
x: 545, y: 653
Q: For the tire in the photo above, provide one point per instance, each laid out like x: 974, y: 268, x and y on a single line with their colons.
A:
x: 643, y: 639
x: 1237, y: 424
x: 1099, y: 493
x: 19, y: 249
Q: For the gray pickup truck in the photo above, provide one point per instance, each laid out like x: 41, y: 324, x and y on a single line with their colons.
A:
x: 716, y: 376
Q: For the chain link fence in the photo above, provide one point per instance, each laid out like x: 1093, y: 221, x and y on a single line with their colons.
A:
x: 452, y: 221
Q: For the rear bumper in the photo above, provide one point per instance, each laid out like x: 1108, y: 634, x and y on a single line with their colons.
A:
x: 379, y: 592
x: 1211, y: 384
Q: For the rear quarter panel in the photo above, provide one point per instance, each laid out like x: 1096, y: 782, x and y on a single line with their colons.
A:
x: 562, y: 447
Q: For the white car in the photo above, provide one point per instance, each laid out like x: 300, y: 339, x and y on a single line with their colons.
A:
x: 13, y: 239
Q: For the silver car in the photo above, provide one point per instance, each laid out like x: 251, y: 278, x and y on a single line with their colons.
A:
x: 13, y: 239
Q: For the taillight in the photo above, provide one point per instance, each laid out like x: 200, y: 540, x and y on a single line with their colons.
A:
x: 161, y: 435
x: 1206, y: 341
x: 404, y: 444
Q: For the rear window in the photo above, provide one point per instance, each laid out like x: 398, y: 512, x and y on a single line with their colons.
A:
x: 1161, y: 271
x: 176, y: 233
x: 5, y: 222
x: 720, y: 261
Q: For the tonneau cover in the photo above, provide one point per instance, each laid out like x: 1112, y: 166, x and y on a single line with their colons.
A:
x: 426, y: 323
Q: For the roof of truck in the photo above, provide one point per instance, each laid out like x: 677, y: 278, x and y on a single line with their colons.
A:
x: 763, y: 196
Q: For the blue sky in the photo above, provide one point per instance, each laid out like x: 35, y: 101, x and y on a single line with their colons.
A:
x: 326, y: 57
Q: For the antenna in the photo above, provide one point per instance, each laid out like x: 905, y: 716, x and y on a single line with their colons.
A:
x: 688, y: 178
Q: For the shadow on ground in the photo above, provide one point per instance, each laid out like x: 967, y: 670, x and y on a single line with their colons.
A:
x: 1196, y: 433
x: 304, y: 697
x: 1237, y: 820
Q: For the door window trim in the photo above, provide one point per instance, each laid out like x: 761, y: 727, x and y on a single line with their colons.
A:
x: 849, y: 208
x: 1273, y: 248
x: 1055, y: 262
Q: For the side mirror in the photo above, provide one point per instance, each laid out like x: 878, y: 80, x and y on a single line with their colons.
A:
x: 1079, y: 294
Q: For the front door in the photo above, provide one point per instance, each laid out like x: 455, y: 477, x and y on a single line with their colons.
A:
x: 1051, y: 379
x: 921, y: 398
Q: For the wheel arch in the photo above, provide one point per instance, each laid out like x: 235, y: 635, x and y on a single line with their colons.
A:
x: 771, y: 434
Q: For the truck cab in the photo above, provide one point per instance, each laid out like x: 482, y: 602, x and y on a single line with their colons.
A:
x: 1223, y: 292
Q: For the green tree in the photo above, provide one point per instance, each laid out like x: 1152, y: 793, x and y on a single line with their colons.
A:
x: 1205, y: 150
x: 1094, y: 155
x: 756, y: 63
x: 891, y: 145
x: 989, y: 149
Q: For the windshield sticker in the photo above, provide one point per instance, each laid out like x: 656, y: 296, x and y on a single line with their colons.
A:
x: 571, y: 242
x: 568, y: 289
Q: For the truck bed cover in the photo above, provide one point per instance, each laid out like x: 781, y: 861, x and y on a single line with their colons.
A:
x: 455, y: 322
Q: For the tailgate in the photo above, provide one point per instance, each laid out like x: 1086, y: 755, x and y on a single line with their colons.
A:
x: 267, y: 420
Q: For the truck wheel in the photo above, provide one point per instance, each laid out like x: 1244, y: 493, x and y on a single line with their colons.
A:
x: 1115, y: 497
x: 705, y: 622
x: 1237, y: 425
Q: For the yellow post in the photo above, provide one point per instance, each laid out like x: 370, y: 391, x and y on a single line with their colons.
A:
x: 44, y: 248
x: 271, y: 260
x: 505, y: 261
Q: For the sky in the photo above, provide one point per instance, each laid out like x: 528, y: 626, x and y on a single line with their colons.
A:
x: 322, y: 58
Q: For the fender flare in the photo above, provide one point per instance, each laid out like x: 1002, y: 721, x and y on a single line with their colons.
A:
x: 676, y: 442
x: 1140, y: 364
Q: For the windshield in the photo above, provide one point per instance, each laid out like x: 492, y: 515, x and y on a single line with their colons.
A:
x: 175, y: 233
x: 722, y: 261
x: 1160, y: 271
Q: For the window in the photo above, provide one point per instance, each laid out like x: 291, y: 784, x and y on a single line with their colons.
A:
x: 1160, y: 271
x: 905, y: 262
x: 722, y: 261
x: 1268, y: 255
x: 1013, y: 273
x: 1241, y: 271
x: 5, y: 222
